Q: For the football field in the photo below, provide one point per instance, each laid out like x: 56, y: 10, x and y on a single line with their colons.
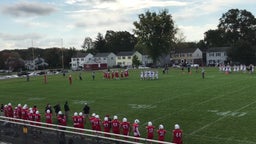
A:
x: 218, y: 109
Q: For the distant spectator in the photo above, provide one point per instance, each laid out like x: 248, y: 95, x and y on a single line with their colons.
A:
x: 203, y: 73
x: 93, y: 75
x: 2, y: 109
x: 66, y: 108
x: 80, y: 76
x: 57, y: 108
x: 48, y: 107
x: 27, y: 77
x: 86, y: 110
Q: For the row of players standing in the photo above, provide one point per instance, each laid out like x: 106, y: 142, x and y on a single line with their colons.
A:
x: 148, y: 75
x: 236, y: 68
x: 126, y: 127
x: 79, y: 121
x: 115, y: 74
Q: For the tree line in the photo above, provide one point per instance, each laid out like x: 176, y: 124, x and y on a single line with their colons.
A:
x: 155, y: 34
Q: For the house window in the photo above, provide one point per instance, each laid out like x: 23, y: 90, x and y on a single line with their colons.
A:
x: 77, y: 59
x: 82, y: 59
x: 104, y: 58
x: 74, y: 65
x: 119, y: 63
x: 129, y: 57
x: 112, y: 58
x: 182, y: 55
x: 119, y: 57
x: 225, y: 54
x: 74, y: 59
x: 123, y: 62
x: 123, y: 57
x: 218, y: 54
x: 211, y: 54
x: 189, y: 55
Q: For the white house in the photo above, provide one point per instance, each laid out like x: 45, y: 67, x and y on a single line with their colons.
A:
x: 79, y: 60
x: 188, y: 55
x: 216, y: 55
x: 125, y: 58
x: 37, y: 63
x: 146, y: 60
x: 108, y: 58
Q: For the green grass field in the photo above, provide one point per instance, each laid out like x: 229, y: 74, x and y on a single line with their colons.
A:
x: 218, y: 109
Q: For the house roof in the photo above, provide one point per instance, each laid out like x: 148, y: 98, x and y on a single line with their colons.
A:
x: 218, y: 49
x: 102, y: 54
x: 185, y: 50
x: 126, y: 53
x: 79, y: 54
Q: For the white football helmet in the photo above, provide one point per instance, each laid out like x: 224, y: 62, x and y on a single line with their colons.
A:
x: 19, y: 105
x: 105, y: 118
x: 75, y: 114
x: 48, y: 111
x: 60, y: 113
x: 161, y: 126
x: 136, y: 121
x: 9, y: 104
x: 115, y: 117
x: 124, y: 119
x: 80, y: 113
x: 37, y: 112
x: 176, y: 126
x: 30, y: 111
x: 93, y: 114
x: 149, y: 123
x: 97, y: 116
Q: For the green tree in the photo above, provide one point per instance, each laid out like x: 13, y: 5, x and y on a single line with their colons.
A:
x: 155, y: 33
x: 100, y: 44
x: 215, y: 38
x: 135, y: 61
x: 243, y: 52
x: 120, y: 41
x: 238, y: 25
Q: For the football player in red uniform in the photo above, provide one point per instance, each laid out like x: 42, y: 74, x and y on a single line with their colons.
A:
x: 135, y: 127
x: 37, y: 118
x: 177, y: 134
x: 115, y: 125
x: 150, y: 130
x: 161, y: 133
x: 125, y: 127
x: 107, y: 126
x: 48, y: 117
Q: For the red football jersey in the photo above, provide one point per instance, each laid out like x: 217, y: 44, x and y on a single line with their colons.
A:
x: 126, y: 128
x: 48, y: 118
x: 150, y: 131
x: 116, y: 126
x: 177, y: 136
x: 161, y: 134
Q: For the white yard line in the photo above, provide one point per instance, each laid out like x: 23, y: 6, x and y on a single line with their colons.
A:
x: 219, y: 119
x: 226, y: 139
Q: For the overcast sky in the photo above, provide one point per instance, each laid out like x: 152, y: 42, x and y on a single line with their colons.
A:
x: 45, y: 23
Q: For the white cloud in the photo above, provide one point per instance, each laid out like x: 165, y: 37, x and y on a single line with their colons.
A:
x: 5, y: 36
x: 196, y: 33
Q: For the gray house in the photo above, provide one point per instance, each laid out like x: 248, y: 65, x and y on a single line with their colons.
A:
x: 108, y: 58
x: 216, y: 55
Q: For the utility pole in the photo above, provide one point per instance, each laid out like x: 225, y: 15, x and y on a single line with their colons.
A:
x: 33, y: 54
x: 62, y: 56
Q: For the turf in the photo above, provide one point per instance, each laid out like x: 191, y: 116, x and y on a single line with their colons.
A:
x: 217, y: 109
